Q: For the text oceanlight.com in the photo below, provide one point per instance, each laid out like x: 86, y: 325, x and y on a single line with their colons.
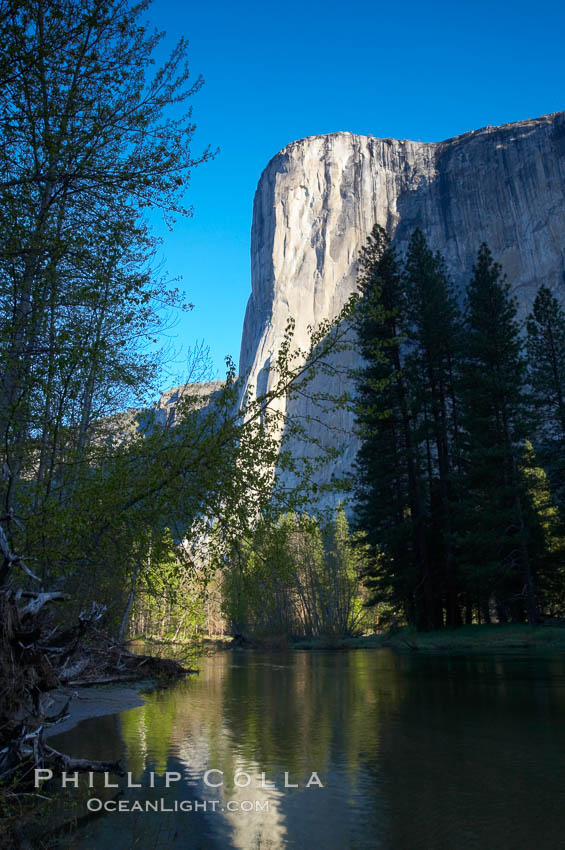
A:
x: 95, y: 804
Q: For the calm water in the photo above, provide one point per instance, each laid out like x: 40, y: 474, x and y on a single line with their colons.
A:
x: 413, y: 751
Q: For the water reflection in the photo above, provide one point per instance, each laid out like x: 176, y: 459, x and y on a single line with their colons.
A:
x: 413, y: 751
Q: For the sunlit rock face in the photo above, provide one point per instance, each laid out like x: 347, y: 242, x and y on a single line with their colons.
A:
x: 196, y: 396
x: 318, y: 199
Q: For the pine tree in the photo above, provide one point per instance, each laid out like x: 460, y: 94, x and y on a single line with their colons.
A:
x: 546, y: 373
x: 434, y: 337
x: 389, y: 485
x: 493, y: 520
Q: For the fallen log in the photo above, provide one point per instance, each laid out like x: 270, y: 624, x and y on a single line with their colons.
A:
x: 64, y: 762
x: 61, y: 715
x: 39, y: 601
x: 121, y: 677
x: 104, y: 680
x: 73, y: 670
x: 37, y: 656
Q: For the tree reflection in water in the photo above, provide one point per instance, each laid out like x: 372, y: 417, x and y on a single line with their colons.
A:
x: 414, y: 751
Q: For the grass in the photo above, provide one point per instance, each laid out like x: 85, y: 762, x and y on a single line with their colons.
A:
x: 365, y: 642
x: 484, y: 638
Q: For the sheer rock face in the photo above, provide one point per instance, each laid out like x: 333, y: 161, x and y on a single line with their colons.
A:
x: 200, y: 395
x: 318, y: 199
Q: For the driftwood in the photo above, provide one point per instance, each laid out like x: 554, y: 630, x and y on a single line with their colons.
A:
x: 30, y: 751
x: 36, y: 658
x: 38, y: 601
x: 64, y: 762
x: 10, y: 558
x: 61, y: 715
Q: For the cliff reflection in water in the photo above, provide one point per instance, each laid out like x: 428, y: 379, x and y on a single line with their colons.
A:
x: 414, y: 752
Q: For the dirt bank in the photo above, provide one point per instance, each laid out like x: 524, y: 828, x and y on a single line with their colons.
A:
x: 92, y: 702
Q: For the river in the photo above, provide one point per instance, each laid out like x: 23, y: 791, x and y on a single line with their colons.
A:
x: 388, y: 750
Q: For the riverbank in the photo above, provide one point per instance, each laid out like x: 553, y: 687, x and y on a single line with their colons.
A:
x: 484, y: 638
x: 24, y: 816
x: 94, y: 702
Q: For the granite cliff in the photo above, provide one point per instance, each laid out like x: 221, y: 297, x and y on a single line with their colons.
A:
x: 318, y: 199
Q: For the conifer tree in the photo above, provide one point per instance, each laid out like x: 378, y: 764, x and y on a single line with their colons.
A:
x: 546, y: 373
x: 434, y: 336
x: 495, y: 535
x: 389, y: 485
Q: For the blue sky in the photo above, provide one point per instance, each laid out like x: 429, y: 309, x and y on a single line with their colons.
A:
x: 279, y: 72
